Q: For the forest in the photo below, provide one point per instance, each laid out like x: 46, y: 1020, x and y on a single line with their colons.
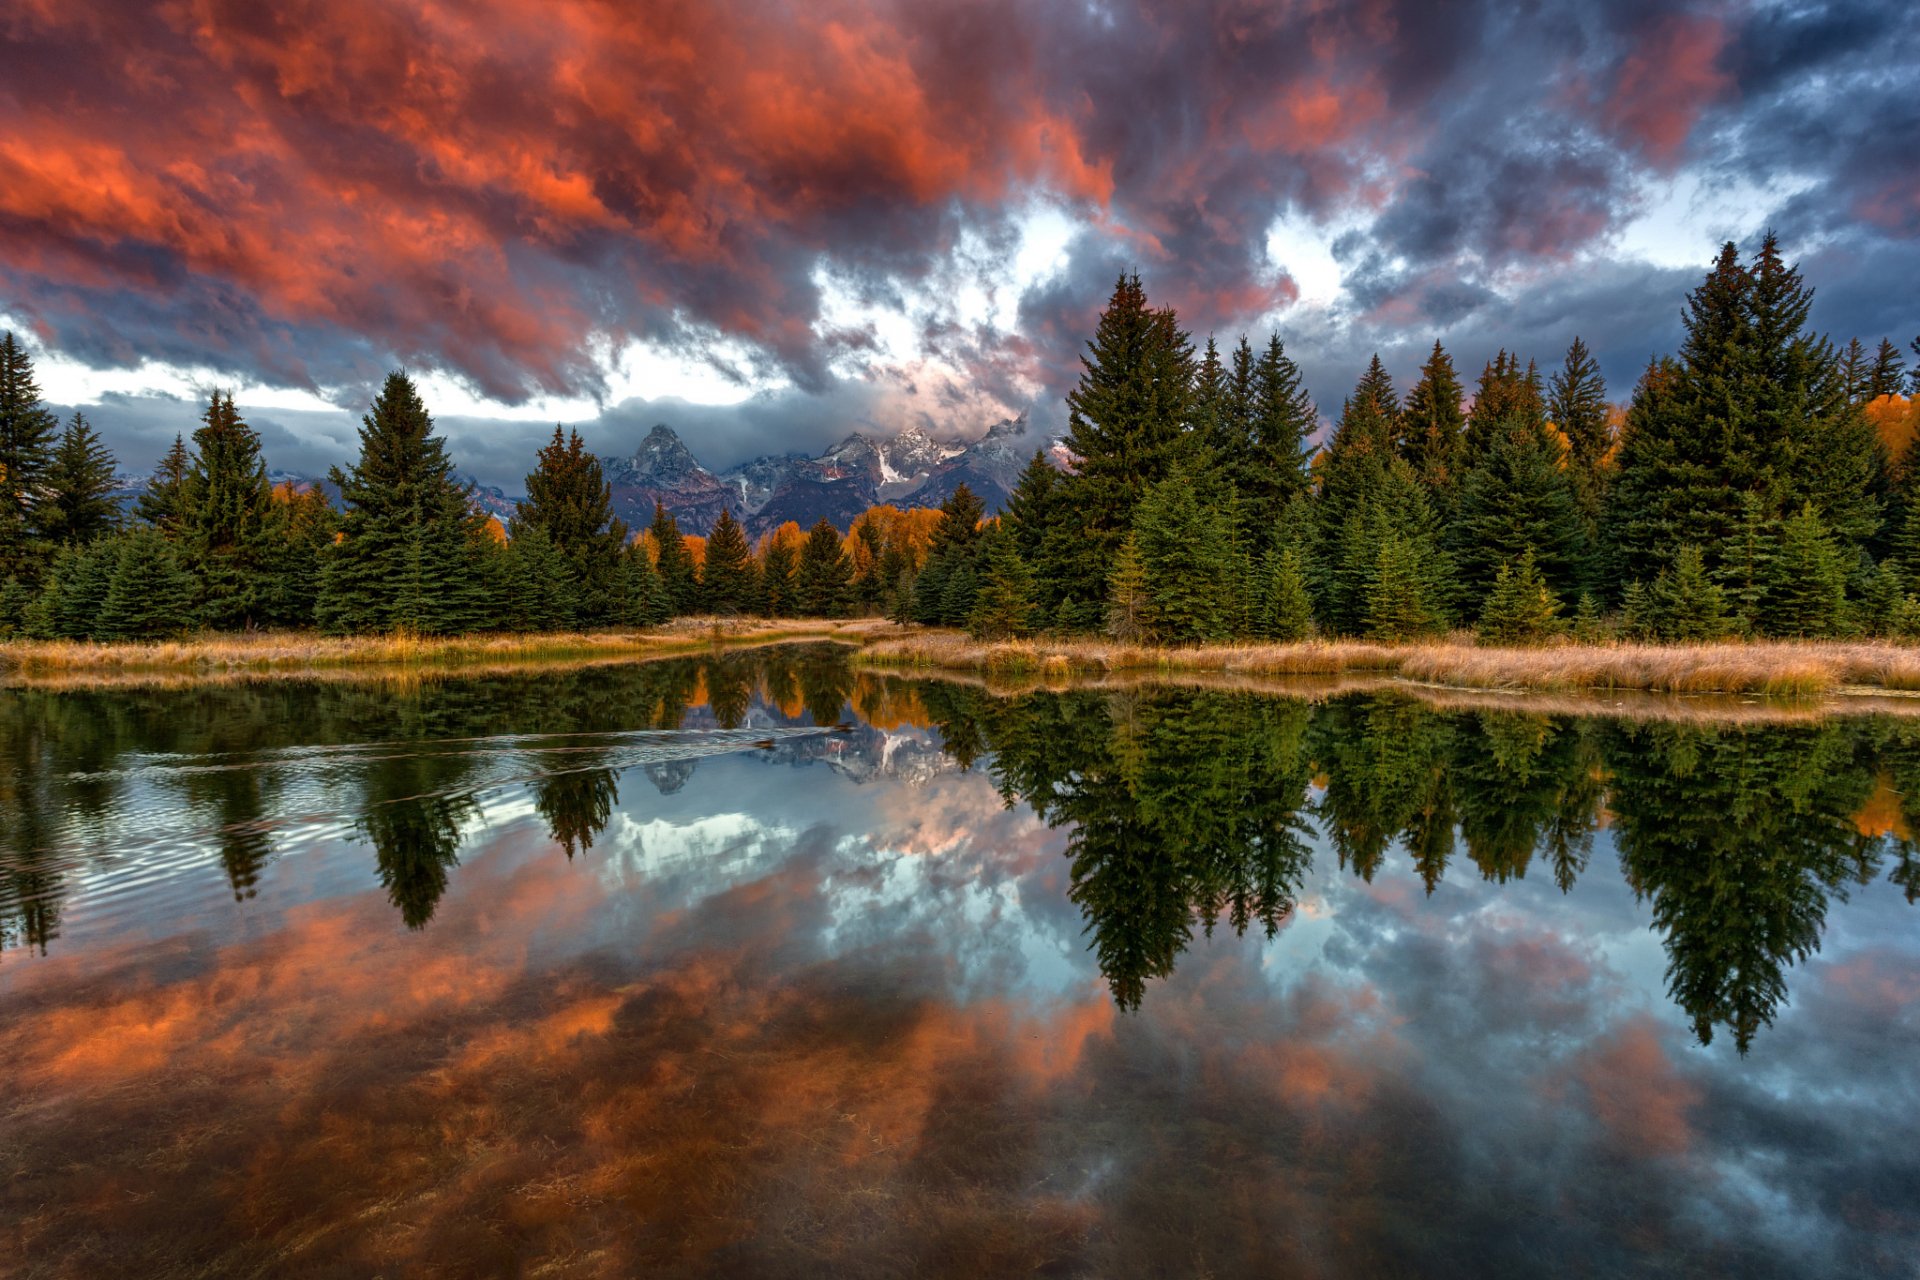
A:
x: 1762, y: 481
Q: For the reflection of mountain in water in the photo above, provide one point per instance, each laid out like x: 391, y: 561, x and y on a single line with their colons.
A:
x: 669, y: 778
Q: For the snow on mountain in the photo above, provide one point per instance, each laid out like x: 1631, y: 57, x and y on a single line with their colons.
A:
x: 909, y: 469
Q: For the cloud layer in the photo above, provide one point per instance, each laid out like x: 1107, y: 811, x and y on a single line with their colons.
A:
x: 832, y: 206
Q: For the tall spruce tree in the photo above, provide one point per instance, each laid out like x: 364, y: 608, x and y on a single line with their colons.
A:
x: 1577, y: 403
x: 410, y: 550
x: 823, y: 580
x: 301, y: 524
x: 1887, y: 375
x: 27, y: 432
x: 1506, y: 394
x: 1518, y: 501
x: 79, y: 505
x: 674, y: 562
x: 777, y: 588
x: 1183, y: 546
x: 1126, y: 420
x: 159, y: 504
x: 728, y: 577
x: 1036, y: 518
x: 223, y: 517
x: 569, y: 497
x: 1281, y: 416
x: 1432, y: 427
x: 1003, y: 608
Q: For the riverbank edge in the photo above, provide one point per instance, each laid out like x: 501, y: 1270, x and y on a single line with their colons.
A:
x: 302, y: 654
x: 1773, y: 669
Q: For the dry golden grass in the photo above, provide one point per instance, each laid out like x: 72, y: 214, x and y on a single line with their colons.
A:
x: 1763, y: 668
x: 268, y: 653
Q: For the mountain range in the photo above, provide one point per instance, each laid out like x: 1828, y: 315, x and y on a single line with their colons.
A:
x: 909, y: 469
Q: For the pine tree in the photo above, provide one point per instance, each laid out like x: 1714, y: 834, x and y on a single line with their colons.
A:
x: 1506, y: 396
x: 1518, y: 499
x: 1003, y: 607
x: 1577, y: 403
x: 411, y: 548
x: 777, y: 587
x: 1126, y: 420
x: 1685, y: 604
x: 1281, y: 416
x: 569, y: 497
x: 300, y: 528
x: 73, y: 591
x: 1746, y: 562
x: 223, y: 517
x: 150, y: 594
x: 1183, y: 547
x: 1355, y: 477
x: 1034, y: 517
x: 1806, y: 590
x: 1853, y: 372
x: 1398, y: 603
x: 1432, y: 427
x: 824, y: 579
x: 159, y: 503
x: 542, y: 583
x: 1520, y: 608
x: 27, y: 430
x: 78, y: 506
x: 728, y: 575
x: 674, y: 562
x: 1888, y: 373
x: 1286, y: 609
x: 645, y: 598
x: 1129, y: 605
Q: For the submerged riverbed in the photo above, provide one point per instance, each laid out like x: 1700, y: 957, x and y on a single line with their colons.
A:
x: 651, y: 969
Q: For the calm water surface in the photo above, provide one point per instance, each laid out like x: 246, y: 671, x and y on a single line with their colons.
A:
x: 647, y: 971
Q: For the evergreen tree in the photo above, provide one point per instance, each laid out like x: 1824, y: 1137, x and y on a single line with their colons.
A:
x: 674, y: 562
x: 1853, y: 372
x: 1888, y: 373
x: 1183, y: 550
x: 1286, y: 609
x: 1129, y: 605
x: 73, y: 591
x: 645, y: 597
x: 223, y: 517
x: 1036, y: 519
x: 1684, y: 603
x: 1806, y: 590
x: 1746, y: 562
x: 150, y: 594
x: 1355, y: 477
x: 1506, y: 396
x: 160, y: 502
x: 1577, y: 403
x: 542, y: 583
x: 728, y: 575
x: 27, y: 430
x: 1518, y: 500
x: 1126, y: 420
x: 824, y: 578
x: 1003, y: 607
x: 411, y: 549
x: 568, y: 496
x: 1520, y: 608
x: 1399, y: 602
x: 1281, y: 416
x: 1432, y: 426
x: 78, y: 506
x: 300, y: 528
x: 777, y: 586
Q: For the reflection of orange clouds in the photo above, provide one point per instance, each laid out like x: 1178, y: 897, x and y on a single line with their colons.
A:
x: 1635, y: 1093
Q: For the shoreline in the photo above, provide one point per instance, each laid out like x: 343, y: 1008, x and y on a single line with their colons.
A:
x: 1788, y: 672
x: 1773, y: 669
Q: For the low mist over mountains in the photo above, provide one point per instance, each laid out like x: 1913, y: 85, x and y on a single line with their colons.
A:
x: 910, y: 469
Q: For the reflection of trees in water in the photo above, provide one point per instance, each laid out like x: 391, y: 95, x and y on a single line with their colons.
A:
x: 1189, y: 806
x: 1183, y: 806
x: 577, y: 805
x: 1739, y: 838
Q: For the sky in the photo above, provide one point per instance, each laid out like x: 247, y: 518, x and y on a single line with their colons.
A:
x: 769, y: 224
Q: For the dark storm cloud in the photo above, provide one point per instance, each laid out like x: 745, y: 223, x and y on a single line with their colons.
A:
x: 304, y: 194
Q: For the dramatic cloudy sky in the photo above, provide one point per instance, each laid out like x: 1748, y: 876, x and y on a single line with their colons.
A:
x: 770, y: 223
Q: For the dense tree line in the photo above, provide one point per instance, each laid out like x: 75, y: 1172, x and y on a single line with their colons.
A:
x: 1761, y: 481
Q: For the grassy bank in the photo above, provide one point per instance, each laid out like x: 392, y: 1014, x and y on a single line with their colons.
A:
x: 269, y: 653
x: 1763, y: 668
